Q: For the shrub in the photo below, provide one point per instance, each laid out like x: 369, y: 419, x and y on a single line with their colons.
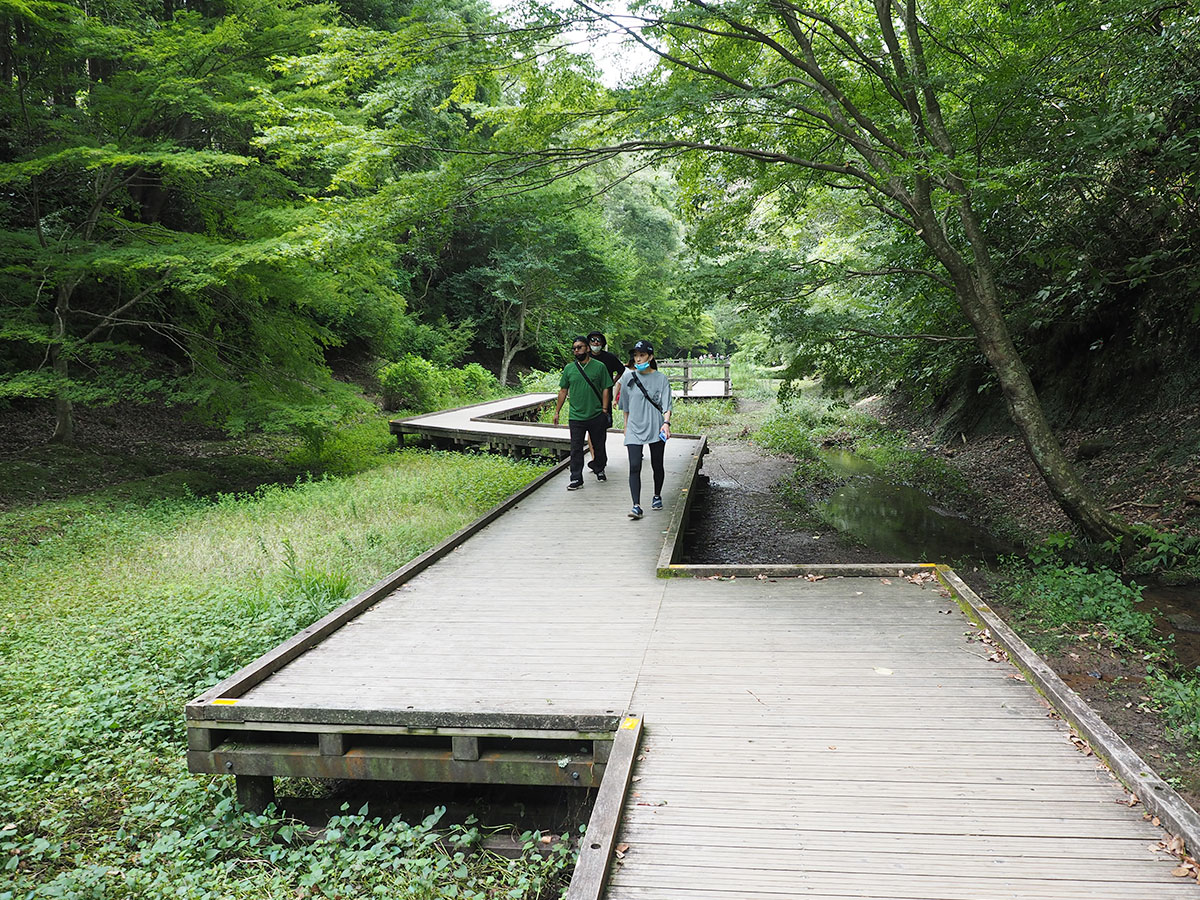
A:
x: 411, y: 383
x: 417, y: 384
x: 1063, y: 597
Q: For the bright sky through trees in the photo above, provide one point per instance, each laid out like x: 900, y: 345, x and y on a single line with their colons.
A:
x: 617, y: 55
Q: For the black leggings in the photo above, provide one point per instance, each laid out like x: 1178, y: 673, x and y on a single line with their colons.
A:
x: 635, y: 469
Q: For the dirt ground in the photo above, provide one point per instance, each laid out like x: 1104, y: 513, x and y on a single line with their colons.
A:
x: 741, y: 516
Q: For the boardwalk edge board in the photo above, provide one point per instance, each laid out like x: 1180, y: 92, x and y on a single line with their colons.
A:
x: 1156, y: 795
x: 673, y: 543
x: 270, y: 662
x: 597, y: 849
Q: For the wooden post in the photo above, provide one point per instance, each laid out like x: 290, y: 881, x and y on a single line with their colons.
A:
x: 255, y: 792
x: 728, y: 382
x: 687, y: 375
x: 465, y: 748
x: 332, y: 743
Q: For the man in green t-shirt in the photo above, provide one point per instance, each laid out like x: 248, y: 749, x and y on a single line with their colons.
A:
x: 588, y: 384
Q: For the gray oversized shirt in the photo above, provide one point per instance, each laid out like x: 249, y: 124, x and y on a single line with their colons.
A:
x: 642, y: 420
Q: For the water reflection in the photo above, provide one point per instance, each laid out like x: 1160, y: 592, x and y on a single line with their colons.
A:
x: 900, y: 521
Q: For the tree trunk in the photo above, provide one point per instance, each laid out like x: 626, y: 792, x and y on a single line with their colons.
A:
x: 1025, y: 409
x: 513, y: 343
x: 64, y: 410
x: 505, y: 359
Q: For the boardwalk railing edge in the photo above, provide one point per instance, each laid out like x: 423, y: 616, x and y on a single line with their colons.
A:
x: 673, y: 543
x: 1156, y: 795
x: 596, y: 850
x: 273, y: 660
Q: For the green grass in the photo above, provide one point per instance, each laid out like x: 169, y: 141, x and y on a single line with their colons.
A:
x: 116, y: 612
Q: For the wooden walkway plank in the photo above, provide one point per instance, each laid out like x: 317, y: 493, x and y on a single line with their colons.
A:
x: 846, y: 737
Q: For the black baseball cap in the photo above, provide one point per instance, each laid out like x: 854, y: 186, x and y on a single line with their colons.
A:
x: 643, y: 347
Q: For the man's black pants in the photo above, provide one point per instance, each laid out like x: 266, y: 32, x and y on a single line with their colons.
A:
x: 597, y: 430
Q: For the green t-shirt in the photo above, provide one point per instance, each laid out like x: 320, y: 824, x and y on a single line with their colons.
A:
x: 583, y: 404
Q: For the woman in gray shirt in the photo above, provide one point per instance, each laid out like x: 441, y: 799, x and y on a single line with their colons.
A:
x: 645, y: 398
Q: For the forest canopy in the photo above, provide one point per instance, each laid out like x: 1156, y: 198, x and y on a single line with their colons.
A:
x: 209, y: 202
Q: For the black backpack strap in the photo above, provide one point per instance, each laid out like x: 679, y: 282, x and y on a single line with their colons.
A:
x: 591, y: 384
x: 638, y: 382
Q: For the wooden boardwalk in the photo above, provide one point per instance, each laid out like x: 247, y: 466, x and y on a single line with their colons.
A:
x: 845, y: 737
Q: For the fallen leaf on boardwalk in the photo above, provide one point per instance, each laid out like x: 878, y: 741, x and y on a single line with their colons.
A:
x: 885, y: 580
x: 882, y: 671
x: 1181, y: 872
x: 1131, y: 801
x: 1081, y: 745
x: 636, y: 778
x: 1173, y: 844
x: 651, y: 803
x: 546, y: 838
x: 620, y: 850
x: 833, y: 746
x: 1156, y: 821
x: 811, y: 577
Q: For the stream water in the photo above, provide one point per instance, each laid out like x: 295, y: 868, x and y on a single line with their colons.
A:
x: 899, y: 521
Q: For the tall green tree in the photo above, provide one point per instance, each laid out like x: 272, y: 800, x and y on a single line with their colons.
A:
x: 904, y: 107
x: 139, y: 216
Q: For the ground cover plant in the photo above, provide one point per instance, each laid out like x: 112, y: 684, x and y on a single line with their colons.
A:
x: 1060, y: 605
x: 116, y: 612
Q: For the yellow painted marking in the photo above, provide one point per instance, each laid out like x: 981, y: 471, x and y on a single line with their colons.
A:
x: 629, y: 722
x: 223, y: 702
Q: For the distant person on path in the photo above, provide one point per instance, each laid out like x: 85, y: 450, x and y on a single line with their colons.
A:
x: 598, y: 344
x: 645, y: 398
x: 587, y: 383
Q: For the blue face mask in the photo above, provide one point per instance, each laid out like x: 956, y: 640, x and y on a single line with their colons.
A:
x: 641, y: 367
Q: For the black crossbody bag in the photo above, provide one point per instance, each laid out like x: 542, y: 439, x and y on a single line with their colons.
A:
x: 596, y: 391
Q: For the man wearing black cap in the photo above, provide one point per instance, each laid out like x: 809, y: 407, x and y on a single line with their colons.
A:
x: 598, y: 344
x: 599, y: 347
x: 588, y: 384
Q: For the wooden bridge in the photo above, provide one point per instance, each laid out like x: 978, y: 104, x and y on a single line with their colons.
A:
x: 753, y: 732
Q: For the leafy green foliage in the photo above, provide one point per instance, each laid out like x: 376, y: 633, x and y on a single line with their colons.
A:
x: 116, y: 613
x: 1159, y: 551
x: 417, y: 384
x: 1178, y: 699
x: 1068, y: 598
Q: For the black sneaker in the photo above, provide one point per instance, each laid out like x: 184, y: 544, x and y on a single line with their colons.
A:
x: 575, y: 485
x: 635, y: 513
x: 656, y: 503
x: 600, y: 476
